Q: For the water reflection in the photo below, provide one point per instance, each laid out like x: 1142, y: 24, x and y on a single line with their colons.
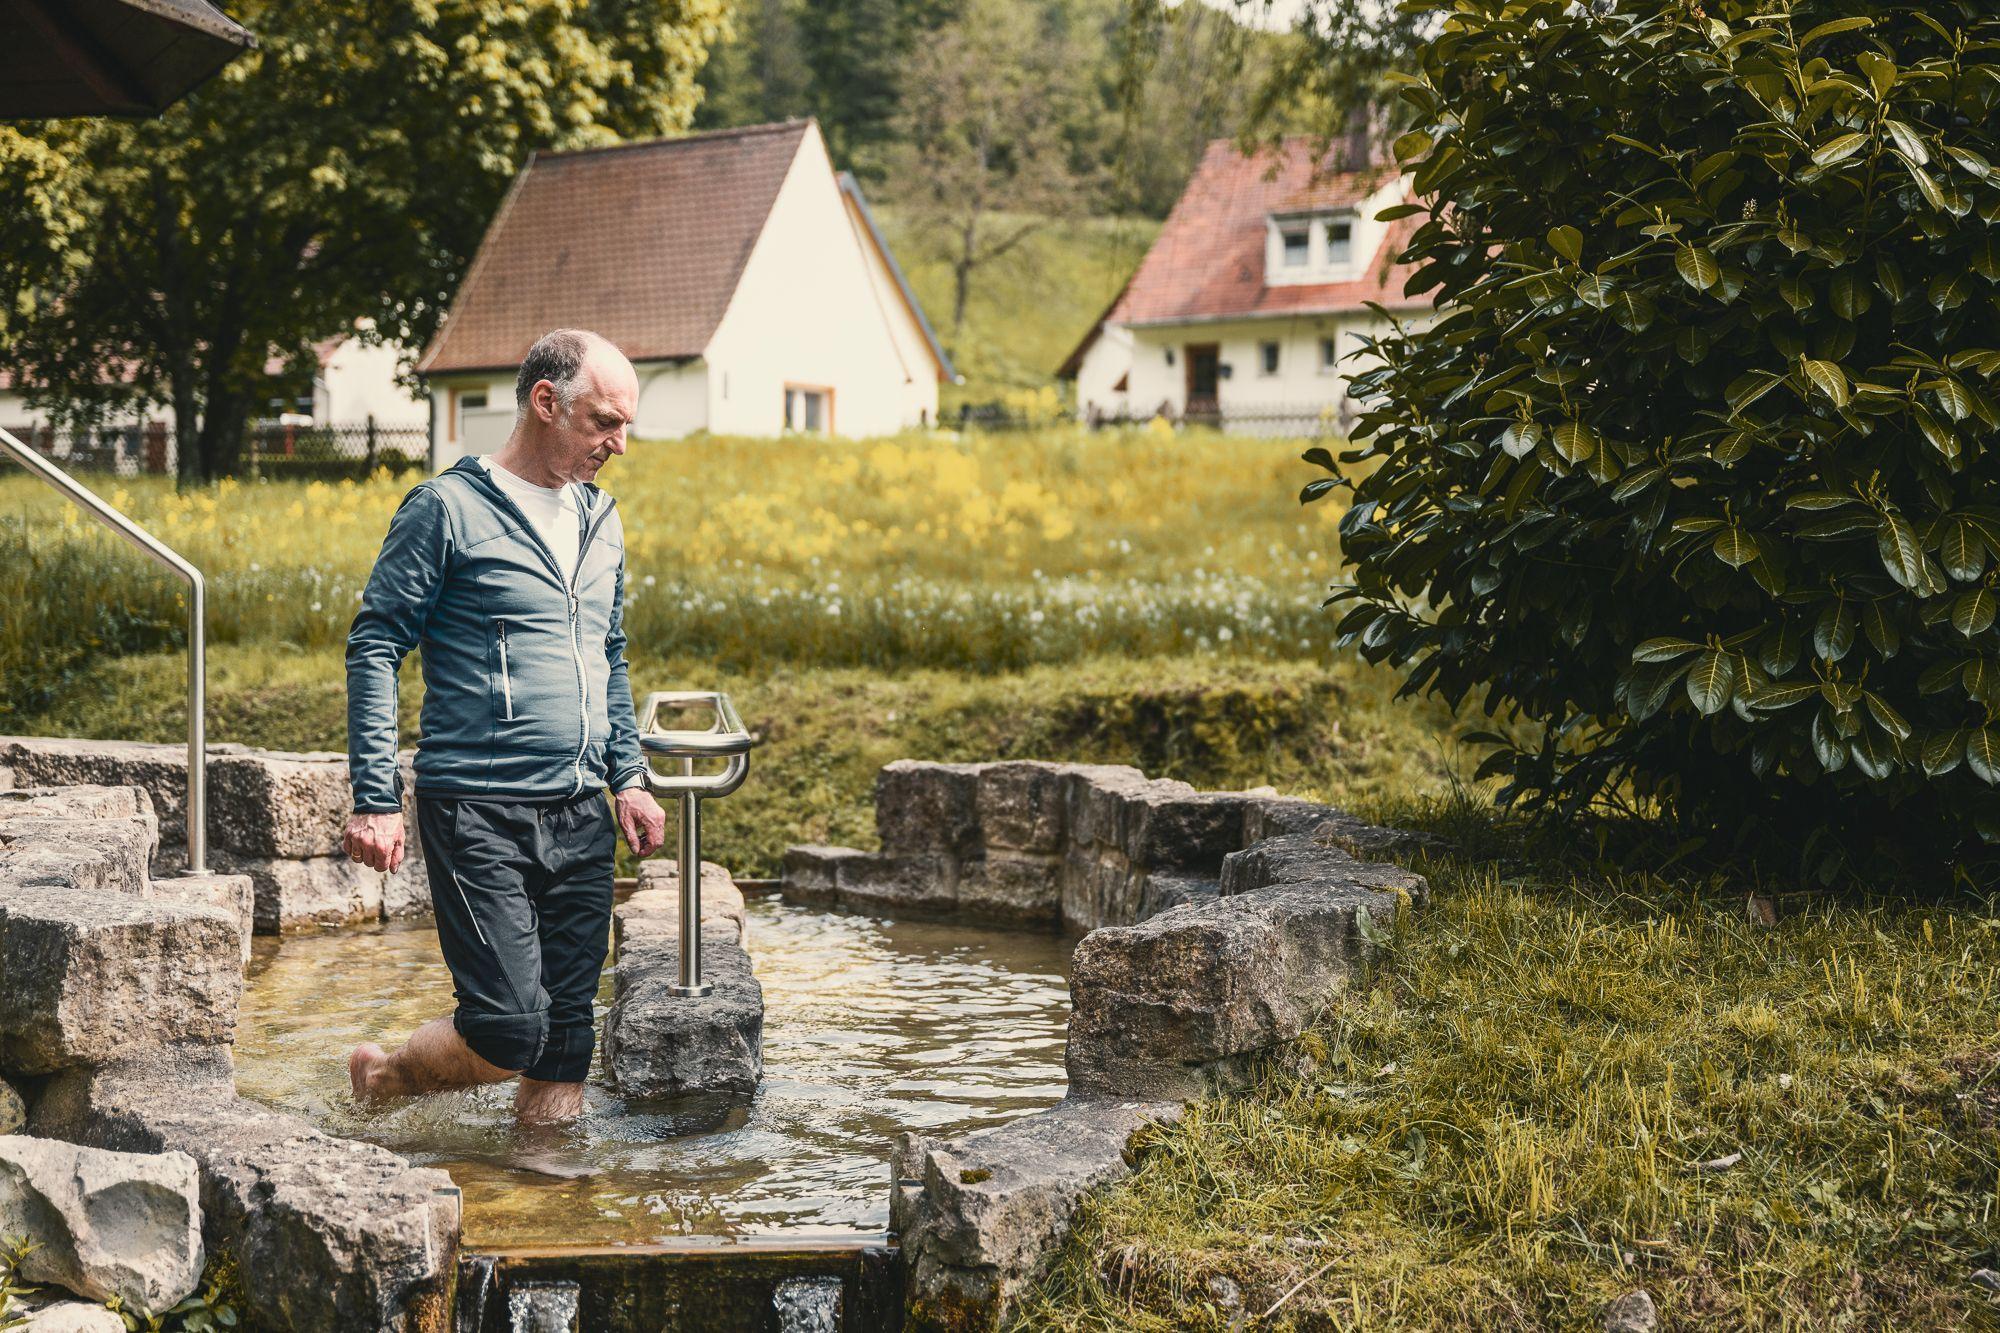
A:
x: 871, y: 1027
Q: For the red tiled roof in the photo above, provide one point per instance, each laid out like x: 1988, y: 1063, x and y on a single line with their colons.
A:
x: 1208, y: 262
x: 643, y: 243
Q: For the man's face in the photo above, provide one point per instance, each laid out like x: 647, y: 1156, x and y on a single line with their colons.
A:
x: 581, y: 439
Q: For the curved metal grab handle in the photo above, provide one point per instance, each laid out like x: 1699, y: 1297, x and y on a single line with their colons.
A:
x: 704, y: 785
x: 728, y: 740
x: 727, y: 736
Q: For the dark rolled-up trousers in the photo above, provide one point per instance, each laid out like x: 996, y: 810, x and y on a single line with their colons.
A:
x: 522, y: 895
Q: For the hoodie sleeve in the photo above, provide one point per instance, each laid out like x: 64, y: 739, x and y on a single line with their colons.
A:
x: 401, y: 590
x: 626, y: 762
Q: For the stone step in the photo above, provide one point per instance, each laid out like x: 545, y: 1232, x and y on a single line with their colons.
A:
x: 657, y: 1043
x: 975, y: 1215
x: 331, y: 1235
x: 94, y: 975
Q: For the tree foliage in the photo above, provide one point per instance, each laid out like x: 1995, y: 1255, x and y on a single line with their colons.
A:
x: 345, y: 169
x: 1692, y: 477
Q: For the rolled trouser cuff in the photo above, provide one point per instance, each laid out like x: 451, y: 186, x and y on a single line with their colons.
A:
x: 565, y: 1056
x: 506, y: 1041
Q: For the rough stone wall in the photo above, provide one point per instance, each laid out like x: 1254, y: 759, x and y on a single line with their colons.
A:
x: 118, y: 1008
x: 1219, y: 924
x: 274, y: 816
x: 1035, y: 843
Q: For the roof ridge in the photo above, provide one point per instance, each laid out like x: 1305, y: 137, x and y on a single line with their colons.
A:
x: 674, y: 140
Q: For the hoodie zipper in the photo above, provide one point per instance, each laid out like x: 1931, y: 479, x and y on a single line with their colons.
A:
x: 597, y: 515
x: 506, y: 681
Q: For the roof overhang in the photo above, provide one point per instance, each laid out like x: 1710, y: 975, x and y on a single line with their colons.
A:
x: 1253, y: 316
x: 456, y: 371
x: 851, y: 188
x: 109, y: 57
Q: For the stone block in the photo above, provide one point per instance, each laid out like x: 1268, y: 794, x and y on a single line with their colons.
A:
x: 80, y: 802
x: 1099, y: 888
x: 331, y: 1235
x: 1276, y: 816
x: 1313, y: 858
x: 13, y: 1108
x: 69, y: 1317
x: 103, y: 1224
x: 655, y: 906
x: 96, y: 976
x: 1163, y: 890
x: 1094, y: 795
x: 928, y: 809
x: 810, y: 872
x: 1172, y: 826
x: 110, y: 855
x: 1016, y: 887
x: 261, y: 803
x: 913, y: 883
x: 657, y: 1043
x: 976, y: 1215
x: 1023, y: 807
x: 230, y: 894
x: 1183, y: 1003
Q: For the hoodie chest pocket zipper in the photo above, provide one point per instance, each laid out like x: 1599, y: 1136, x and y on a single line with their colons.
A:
x: 506, y: 680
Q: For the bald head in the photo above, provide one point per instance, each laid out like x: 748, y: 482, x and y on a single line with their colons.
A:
x: 574, y: 397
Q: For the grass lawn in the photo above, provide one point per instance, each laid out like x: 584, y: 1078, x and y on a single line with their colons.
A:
x: 1535, y: 1105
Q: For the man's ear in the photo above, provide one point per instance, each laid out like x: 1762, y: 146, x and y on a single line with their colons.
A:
x: 543, y: 398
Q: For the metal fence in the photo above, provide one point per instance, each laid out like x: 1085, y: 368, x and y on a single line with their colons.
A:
x: 270, y: 449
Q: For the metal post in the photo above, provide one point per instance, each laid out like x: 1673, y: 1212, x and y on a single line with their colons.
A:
x: 197, y: 744
x: 691, y: 983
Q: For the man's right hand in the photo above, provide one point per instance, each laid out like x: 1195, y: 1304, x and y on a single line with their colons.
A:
x: 376, y: 841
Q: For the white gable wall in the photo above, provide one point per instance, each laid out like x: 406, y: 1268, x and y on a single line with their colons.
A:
x: 913, y: 346
x: 1108, y: 360
x: 1300, y: 386
x: 807, y: 312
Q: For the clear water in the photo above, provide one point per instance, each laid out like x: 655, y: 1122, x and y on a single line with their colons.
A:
x: 871, y: 1027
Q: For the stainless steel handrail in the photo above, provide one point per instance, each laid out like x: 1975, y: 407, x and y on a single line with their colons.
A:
x: 725, y: 739
x: 197, y: 745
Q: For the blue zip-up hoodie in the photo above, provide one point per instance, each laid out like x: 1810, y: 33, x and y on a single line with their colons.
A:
x: 525, y: 690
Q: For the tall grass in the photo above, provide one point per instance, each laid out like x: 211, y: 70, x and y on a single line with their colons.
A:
x: 982, y: 553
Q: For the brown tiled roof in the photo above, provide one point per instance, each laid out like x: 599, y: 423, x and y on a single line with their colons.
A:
x: 1208, y: 261
x: 642, y: 243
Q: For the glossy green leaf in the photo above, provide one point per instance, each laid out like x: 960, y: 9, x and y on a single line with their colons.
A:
x: 1711, y: 680
x: 1567, y: 241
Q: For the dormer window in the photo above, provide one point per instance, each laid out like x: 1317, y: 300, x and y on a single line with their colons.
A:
x: 1297, y: 240
x: 1304, y: 248
x: 1339, y: 242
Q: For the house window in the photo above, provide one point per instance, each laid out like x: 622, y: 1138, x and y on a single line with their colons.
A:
x: 1339, y: 243
x: 808, y: 408
x: 473, y: 402
x: 1297, y: 240
x: 1268, y: 356
x: 1329, y: 356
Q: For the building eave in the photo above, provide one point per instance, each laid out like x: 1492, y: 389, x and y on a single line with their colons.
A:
x: 851, y: 189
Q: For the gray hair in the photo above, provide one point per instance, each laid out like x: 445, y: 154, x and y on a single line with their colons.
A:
x: 557, y: 357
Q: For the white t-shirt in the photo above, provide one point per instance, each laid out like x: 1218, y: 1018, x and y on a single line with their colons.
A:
x: 557, y: 513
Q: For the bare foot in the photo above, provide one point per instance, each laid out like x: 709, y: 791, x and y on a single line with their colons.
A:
x: 365, y: 1068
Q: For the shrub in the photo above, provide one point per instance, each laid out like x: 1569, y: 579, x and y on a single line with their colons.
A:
x: 1691, y: 474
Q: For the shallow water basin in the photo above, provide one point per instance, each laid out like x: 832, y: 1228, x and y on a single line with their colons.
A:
x: 871, y: 1027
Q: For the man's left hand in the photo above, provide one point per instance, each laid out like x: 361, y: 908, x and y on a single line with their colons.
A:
x: 643, y: 821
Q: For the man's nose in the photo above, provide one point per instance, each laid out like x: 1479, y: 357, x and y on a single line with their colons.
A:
x: 618, y: 441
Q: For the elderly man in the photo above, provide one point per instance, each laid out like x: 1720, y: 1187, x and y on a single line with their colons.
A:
x: 509, y: 572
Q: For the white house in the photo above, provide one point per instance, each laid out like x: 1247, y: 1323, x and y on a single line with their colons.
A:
x: 352, y: 380
x: 1246, y: 307
x: 746, y: 281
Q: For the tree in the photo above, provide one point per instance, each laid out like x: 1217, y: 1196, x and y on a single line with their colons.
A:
x: 1693, y: 477
x: 983, y: 159
x: 345, y: 169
